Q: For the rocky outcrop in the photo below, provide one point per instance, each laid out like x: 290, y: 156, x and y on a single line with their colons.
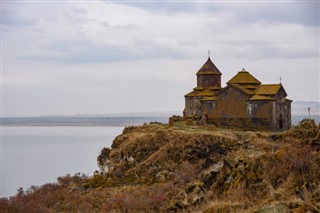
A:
x: 159, y: 151
x: 189, y: 168
x: 207, y: 164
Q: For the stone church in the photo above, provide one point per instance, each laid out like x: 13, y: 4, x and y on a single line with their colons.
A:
x: 244, y: 103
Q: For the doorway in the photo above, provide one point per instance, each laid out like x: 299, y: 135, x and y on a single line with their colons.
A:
x: 280, y: 122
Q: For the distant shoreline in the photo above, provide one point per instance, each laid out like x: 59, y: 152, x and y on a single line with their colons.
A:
x: 101, y: 121
x: 79, y: 121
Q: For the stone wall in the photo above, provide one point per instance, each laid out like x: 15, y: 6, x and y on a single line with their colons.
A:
x: 208, y: 106
x: 231, y: 103
x: 192, y: 106
x: 232, y: 108
x: 283, y: 114
x: 206, y: 81
x: 261, y: 113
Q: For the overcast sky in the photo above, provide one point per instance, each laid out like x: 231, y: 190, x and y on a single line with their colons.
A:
x: 113, y: 57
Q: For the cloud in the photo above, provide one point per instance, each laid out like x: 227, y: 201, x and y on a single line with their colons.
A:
x: 273, y: 41
x: 104, y: 57
x: 108, y: 32
x: 87, y: 51
x: 305, y: 13
x: 11, y: 18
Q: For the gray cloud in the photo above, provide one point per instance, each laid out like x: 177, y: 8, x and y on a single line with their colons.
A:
x: 266, y: 49
x: 12, y: 19
x: 86, y: 51
x: 70, y: 58
x: 76, y: 35
x: 305, y: 13
x: 165, y: 7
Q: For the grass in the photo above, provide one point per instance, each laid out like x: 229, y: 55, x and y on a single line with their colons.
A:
x: 175, y: 169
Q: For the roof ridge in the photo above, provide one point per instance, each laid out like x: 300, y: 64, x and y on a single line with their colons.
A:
x: 237, y: 87
x: 209, y: 68
x: 258, y: 97
x: 243, y: 77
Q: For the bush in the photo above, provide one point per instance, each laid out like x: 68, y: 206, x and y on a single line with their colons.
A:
x: 299, y: 162
x: 305, y: 130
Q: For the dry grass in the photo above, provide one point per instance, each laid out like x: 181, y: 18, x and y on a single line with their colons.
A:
x: 174, y: 169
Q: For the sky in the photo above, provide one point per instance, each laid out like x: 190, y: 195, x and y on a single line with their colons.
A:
x: 98, y: 57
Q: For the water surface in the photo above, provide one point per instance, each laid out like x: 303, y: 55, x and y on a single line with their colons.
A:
x: 38, y: 155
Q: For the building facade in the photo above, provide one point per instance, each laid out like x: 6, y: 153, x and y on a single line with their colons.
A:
x: 243, y: 103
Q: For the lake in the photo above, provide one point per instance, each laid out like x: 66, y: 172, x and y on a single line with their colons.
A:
x: 38, y: 155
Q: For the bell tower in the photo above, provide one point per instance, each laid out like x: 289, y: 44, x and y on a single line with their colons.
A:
x: 209, y: 75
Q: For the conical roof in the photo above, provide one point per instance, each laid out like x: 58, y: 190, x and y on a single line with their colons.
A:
x: 209, y: 68
x: 243, y: 77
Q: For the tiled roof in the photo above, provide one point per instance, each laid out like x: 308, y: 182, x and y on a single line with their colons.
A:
x: 190, y: 94
x: 205, y: 93
x: 209, y: 68
x: 251, y: 86
x: 261, y: 98
x: 243, y: 89
x: 243, y: 77
x: 198, y: 88
x: 237, y: 87
x: 215, y: 88
x: 202, y: 93
x: 268, y: 89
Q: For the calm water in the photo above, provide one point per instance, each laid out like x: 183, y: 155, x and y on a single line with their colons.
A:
x: 38, y: 155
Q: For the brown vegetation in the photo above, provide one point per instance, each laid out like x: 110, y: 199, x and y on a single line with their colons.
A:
x: 156, y: 168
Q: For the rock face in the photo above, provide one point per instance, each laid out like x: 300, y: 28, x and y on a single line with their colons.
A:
x: 154, y: 149
x: 187, y: 168
x: 220, y: 169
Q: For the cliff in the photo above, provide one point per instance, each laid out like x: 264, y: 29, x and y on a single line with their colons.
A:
x: 156, y: 168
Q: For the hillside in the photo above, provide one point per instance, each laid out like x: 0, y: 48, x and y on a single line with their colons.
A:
x: 156, y: 168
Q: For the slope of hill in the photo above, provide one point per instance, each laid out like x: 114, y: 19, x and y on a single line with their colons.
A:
x: 156, y: 168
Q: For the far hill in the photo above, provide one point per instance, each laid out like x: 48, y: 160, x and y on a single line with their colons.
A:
x: 301, y: 107
x: 299, y: 112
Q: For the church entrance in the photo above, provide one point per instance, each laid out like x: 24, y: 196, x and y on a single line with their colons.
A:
x: 280, y: 122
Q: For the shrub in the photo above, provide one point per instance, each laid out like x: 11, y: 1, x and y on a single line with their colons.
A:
x: 300, y: 162
x: 305, y: 130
